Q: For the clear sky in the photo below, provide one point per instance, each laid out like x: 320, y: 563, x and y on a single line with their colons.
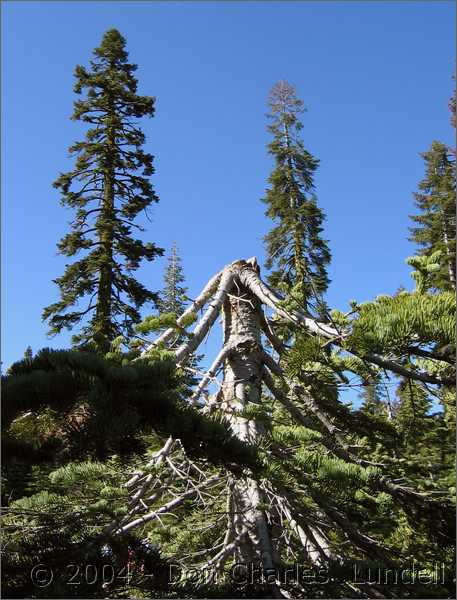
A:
x: 375, y: 77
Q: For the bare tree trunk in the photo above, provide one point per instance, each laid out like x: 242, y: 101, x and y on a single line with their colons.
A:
x: 241, y: 389
x: 251, y: 536
x: 450, y: 261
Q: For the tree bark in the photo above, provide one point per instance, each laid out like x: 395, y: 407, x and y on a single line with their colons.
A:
x: 450, y: 260
x: 204, y: 325
x: 241, y: 389
x: 103, y: 334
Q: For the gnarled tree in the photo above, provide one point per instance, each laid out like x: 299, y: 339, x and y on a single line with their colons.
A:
x: 320, y: 484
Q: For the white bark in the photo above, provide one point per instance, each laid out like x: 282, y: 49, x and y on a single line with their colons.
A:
x: 196, y: 305
x: 165, y: 451
x: 267, y: 296
x: 169, y: 506
x: 239, y: 292
x: 450, y: 262
x: 315, y: 554
x: 204, y: 325
x: 211, y: 373
x: 242, y: 387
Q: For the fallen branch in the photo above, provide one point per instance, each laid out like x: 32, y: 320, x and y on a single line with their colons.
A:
x: 166, y: 508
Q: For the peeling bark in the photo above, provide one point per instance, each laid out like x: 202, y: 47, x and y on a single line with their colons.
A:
x: 242, y: 387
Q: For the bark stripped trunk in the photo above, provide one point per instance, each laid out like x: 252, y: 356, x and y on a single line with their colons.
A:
x: 238, y: 292
x: 447, y: 244
x: 241, y: 388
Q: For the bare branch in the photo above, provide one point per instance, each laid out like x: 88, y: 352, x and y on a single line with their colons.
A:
x: 196, y: 305
x: 225, y: 284
x: 210, y: 374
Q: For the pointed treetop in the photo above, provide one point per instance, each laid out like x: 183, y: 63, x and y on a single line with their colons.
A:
x: 295, y: 248
x: 112, y: 47
x: 108, y: 187
x: 283, y: 100
x: 173, y: 296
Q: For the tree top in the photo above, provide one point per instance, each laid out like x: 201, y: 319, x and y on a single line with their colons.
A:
x: 283, y: 98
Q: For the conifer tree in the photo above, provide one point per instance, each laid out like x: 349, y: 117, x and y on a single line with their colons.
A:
x: 374, y: 399
x: 295, y: 475
x: 452, y: 108
x: 173, y: 296
x: 295, y: 247
x: 435, y: 224
x: 28, y: 354
x: 108, y: 188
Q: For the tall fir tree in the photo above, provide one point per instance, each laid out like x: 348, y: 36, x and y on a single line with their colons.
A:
x: 435, y: 224
x: 173, y: 298
x: 295, y: 248
x: 108, y: 188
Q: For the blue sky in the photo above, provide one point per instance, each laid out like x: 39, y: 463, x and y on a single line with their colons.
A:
x: 375, y: 77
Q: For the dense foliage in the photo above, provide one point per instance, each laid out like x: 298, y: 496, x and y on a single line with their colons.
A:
x: 295, y: 247
x: 108, y: 188
x: 435, y: 224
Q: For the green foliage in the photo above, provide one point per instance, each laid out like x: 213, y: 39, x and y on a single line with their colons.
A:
x: 293, y: 434
x: 434, y: 229
x: 105, y: 407
x: 427, y: 440
x: 63, y: 525
x: 393, y: 323
x: 77, y: 424
x: 295, y: 248
x: 173, y: 297
x: 108, y: 187
x: 152, y: 323
x: 426, y: 267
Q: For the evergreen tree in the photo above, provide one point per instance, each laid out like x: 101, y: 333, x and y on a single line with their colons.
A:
x: 452, y: 108
x: 333, y: 483
x: 375, y: 400
x: 295, y: 248
x: 255, y: 478
x: 435, y: 224
x: 28, y: 354
x: 173, y: 297
x: 73, y: 425
x: 108, y: 188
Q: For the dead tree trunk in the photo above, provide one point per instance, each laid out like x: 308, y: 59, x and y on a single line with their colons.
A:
x: 242, y: 390
x: 252, y: 504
